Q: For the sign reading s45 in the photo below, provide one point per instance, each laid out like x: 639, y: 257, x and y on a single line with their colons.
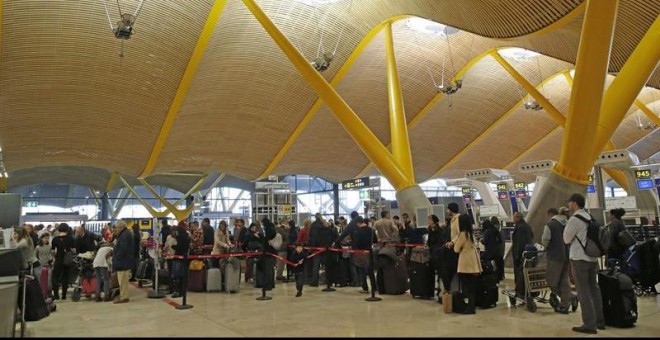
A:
x: 643, y: 174
x: 519, y: 185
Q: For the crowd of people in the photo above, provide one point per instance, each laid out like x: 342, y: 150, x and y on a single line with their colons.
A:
x: 456, y: 254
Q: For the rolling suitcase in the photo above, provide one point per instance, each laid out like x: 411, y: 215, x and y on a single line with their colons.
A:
x: 196, y: 280
x: 422, y: 283
x: 145, y: 270
x: 619, y: 300
x: 35, y: 306
x: 88, y: 286
x: 213, y: 280
x: 487, y: 294
x: 393, y: 278
x: 232, y: 279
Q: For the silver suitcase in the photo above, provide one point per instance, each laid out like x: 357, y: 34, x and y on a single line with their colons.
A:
x: 213, y: 280
x: 232, y: 277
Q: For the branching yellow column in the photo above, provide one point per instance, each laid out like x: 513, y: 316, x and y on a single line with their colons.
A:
x: 145, y: 204
x: 626, y: 86
x: 398, y: 125
x: 354, y: 126
x: 179, y: 214
x: 3, y: 184
x: 593, y: 57
x: 655, y: 119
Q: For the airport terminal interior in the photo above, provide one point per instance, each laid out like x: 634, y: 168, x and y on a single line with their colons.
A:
x: 146, y: 113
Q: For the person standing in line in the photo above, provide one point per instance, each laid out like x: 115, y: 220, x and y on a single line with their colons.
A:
x: 208, y: 236
x: 101, y: 270
x: 585, y: 268
x: 385, y: 229
x: 283, y: 230
x: 123, y: 259
x: 557, y: 259
x: 450, y: 264
x: 61, y: 244
x: 522, y: 236
x: 469, y: 264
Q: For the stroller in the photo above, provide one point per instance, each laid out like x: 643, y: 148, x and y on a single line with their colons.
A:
x: 631, y: 265
x: 85, y: 281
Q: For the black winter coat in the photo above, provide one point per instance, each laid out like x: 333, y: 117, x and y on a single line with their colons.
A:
x: 123, y: 255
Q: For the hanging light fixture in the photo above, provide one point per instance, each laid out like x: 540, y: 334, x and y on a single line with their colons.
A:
x: 124, y: 28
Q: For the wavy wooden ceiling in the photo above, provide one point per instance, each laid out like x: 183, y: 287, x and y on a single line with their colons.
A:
x: 68, y: 101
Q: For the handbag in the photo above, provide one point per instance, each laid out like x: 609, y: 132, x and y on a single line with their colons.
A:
x: 625, y: 238
x: 420, y: 254
x: 196, y: 265
x: 68, y: 258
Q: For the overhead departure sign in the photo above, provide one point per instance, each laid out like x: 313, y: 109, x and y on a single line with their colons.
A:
x: 502, y: 187
x: 643, y: 174
x: 356, y: 183
x: 466, y: 191
x: 519, y: 185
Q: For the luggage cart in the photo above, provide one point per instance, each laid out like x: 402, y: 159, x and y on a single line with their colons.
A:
x: 536, y: 287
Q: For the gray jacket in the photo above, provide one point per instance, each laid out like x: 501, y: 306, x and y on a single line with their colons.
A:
x: 553, y: 239
x: 576, y: 228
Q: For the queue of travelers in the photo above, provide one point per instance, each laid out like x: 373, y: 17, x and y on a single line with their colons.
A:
x: 454, y: 252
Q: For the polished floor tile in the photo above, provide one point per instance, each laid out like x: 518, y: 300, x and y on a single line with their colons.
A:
x: 342, y: 313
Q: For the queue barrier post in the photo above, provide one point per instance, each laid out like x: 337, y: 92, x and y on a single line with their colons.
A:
x: 184, y: 285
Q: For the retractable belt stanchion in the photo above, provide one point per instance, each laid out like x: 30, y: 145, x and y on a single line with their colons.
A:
x: 184, y: 285
x: 263, y: 296
x: 328, y: 272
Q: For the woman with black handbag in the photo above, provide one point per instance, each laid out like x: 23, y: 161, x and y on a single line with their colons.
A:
x: 64, y: 254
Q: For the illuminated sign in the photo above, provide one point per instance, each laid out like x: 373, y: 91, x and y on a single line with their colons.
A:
x: 31, y: 204
x: 503, y: 195
x: 519, y: 185
x: 356, y: 183
x: 645, y: 184
x: 643, y: 174
x: 591, y: 178
x: 501, y: 187
x: 521, y: 193
x: 466, y: 191
x: 591, y: 189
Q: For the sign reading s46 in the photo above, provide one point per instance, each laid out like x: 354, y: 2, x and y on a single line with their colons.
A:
x: 643, y: 174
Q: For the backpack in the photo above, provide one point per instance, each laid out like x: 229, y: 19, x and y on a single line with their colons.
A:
x: 598, y: 235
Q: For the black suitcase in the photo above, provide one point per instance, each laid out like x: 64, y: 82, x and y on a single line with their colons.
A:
x: 487, y: 294
x: 619, y: 300
x: 422, y: 280
x: 36, y: 307
x: 145, y: 270
x: 393, y: 278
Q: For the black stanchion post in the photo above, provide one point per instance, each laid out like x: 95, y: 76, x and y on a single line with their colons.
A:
x: 263, y: 296
x: 328, y: 272
x: 184, y: 285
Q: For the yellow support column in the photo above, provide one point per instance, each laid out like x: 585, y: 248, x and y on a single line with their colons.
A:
x: 179, y: 214
x: 3, y: 183
x: 354, y: 126
x: 398, y: 126
x: 626, y: 86
x: 144, y: 203
x: 590, y: 71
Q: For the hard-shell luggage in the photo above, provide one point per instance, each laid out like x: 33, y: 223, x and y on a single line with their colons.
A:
x: 619, y: 300
x: 393, y: 278
x: 487, y: 294
x: 213, y: 280
x: 422, y: 280
x: 232, y: 279
x: 196, y: 280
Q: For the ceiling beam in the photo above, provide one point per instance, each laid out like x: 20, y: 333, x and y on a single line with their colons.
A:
x: 184, y: 85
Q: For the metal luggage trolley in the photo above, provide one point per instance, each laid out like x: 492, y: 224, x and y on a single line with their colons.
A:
x: 536, y: 288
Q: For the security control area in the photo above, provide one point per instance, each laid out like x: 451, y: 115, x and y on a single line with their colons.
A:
x: 162, y: 113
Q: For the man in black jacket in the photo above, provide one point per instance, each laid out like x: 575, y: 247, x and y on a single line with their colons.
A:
x: 85, y: 241
x: 208, y: 232
x: 123, y: 258
x: 522, y: 236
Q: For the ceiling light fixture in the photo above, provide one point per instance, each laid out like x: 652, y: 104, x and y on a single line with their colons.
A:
x: 124, y: 28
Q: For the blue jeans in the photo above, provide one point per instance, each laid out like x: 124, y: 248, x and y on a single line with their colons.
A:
x: 102, y: 278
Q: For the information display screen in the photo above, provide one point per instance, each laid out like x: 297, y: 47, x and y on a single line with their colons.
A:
x: 466, y: 191
x: 356, y: 183
x: 645, y: 184
x: 501, y: 187
x: 519, y: 185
